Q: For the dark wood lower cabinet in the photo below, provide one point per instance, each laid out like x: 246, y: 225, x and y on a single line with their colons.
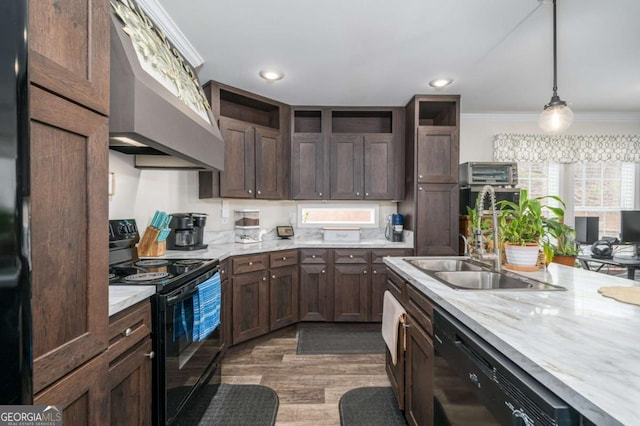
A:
x: 314, y: 292
x: 130, y: 386
x: 352, y: 288
x: 83, y: 394
x: 250, y: 305
x: 418, y: 395
x: 378, y: 286
x: 283, y: 300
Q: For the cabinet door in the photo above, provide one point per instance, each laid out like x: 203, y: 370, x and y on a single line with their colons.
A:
x: 418, y: 395
x: 83, y: 394
x: 314, y: 293
x: 352, y: 292
x: 347, y: 180
x: 436, y: 218
x: 225, y: 305
x: 130, y: 386
x: 283, y: 304
x: 379, y: 176
x: 69, y: 50
x: 69, y: 162
x: 250, y: 305
x: 378, y: 286
x: 270, y: 168
x: 437, y: 154
x: 238, y: 178
x: 308, y: 163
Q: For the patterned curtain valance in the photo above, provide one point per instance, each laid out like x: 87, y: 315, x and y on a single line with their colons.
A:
x: 566, y: 148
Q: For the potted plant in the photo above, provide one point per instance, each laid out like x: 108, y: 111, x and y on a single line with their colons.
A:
x: 522, y: 227
x: 559, y: 244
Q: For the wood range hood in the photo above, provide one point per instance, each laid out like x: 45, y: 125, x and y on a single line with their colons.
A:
x: 149, y: 121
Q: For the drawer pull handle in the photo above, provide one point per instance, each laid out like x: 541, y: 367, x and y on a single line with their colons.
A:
x: 250, y: 263
x: 284, y: 258
x: 350, y: 256
x: 313, y: 256
x: 150, y: 355
x: 128, y: 332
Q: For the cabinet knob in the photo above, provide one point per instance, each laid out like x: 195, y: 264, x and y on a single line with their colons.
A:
x: 150, y: 355
x: 223, y: 271
x: 250, y: 263
x: 323, y: 271
x: 420, y: 188
x: 357, y: 193
x: 320, y: 194
x: 264, y: 278
x: 419, y: 176
x: 350, y: 256
x: 128, y: 332
x: 364, y: 272
x: 284, y: 258
x: 273, y: 276
x: 259, y: 192
x: 375, y: 272
x: 313, y: 256
x: 366, y: 194
x: 250, y: 191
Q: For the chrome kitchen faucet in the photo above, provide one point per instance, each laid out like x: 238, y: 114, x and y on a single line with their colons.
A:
x: 480, y: 252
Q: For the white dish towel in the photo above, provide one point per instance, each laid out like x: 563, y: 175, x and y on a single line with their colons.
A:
x: 392, y: 314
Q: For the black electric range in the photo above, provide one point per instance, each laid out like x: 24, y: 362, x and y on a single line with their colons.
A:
x: 126, y: 268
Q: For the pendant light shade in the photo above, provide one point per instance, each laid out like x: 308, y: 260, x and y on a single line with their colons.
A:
x: 557, y: 116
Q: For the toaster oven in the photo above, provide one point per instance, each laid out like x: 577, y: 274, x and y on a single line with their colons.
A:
x: 495, y: 174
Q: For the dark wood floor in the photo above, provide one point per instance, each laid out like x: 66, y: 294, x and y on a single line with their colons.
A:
x: 309, y: 386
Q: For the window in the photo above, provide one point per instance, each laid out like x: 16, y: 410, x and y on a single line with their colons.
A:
x: 318, y: 215
x: 539, y: 179
x: 603, y: 189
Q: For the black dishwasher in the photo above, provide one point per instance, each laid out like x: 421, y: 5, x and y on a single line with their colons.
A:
x: 474, y: 384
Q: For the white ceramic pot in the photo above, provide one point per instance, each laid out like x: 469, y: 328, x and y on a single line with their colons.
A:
x: 522, y: 255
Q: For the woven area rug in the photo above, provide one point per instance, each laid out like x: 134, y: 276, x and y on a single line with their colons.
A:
x: 232, y: 405
x: 370, y: 406
x: 316, y: 339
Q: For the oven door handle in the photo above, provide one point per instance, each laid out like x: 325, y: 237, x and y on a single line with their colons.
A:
x: 174, y: 300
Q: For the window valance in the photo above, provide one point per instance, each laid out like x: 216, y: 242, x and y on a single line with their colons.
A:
x: 538, y: 148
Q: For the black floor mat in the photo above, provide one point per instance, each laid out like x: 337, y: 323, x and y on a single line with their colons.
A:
x: 232, y: 405
x: 369, y: 407
x: 314, y: 339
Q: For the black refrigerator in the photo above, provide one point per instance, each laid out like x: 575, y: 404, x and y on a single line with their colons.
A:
x: 15, y: 268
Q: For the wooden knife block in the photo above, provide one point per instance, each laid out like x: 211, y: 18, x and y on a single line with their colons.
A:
x: 149, y: 245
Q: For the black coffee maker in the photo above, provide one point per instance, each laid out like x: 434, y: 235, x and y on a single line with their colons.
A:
x: 187, y: 231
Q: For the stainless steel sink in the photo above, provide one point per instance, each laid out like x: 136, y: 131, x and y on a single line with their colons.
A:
x: 437, y: 265
x: 490, y: 280
x: 462, y: 273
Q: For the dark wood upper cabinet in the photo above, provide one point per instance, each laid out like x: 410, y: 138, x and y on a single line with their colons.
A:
x: 309, y: 155
x: 69, y: 162
x: 256, y: 136
x: 69, y: 50
x: 432, y: 155
x: 347, y: 180
x: 381, y: 170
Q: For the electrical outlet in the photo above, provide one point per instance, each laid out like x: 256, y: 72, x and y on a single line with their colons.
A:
x: 292, y: 218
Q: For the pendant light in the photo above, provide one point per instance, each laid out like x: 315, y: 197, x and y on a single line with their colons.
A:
x: 557, y: 116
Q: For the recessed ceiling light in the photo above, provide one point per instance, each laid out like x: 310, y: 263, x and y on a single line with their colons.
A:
x: 271, y: 75
x: 440, y: 83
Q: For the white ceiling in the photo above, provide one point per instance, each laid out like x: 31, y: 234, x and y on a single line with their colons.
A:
x: 381, y: 52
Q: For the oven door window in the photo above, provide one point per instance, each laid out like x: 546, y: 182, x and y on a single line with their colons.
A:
x: 188, y: 349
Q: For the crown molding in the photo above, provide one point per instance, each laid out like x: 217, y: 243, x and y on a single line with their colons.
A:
x: 161, y: 18
x: 599, y: 117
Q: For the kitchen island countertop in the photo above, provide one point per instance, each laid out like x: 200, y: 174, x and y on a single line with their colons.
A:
x: 581, y: 345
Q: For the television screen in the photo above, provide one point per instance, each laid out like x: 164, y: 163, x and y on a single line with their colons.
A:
x: 630, y: 226
x: 587, y: 229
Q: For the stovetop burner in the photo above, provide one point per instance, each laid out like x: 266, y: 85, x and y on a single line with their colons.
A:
x: 112, y: 276
x: 146, y: 276
x: 149, y: 263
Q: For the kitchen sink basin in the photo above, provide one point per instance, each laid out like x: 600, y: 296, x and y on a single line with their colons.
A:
x: 491, y: 280
x: 463, y: 273
x: 445, y: 265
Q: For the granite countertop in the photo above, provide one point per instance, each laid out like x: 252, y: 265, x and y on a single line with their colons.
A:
x: 123, y: 296
x: 223, y: 251
x: 581, y: 345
